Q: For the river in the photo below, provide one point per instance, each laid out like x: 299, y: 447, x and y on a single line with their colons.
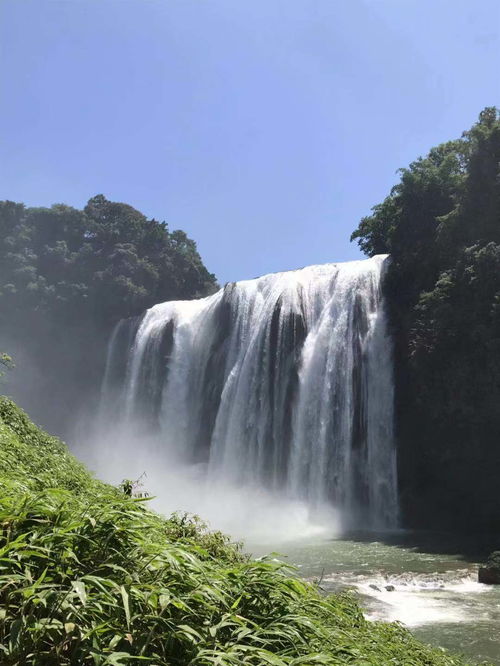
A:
x: 420, y: 580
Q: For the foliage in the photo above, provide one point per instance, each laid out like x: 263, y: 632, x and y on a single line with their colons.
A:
x: 132, y: 488
x: 67, y: 276
x: 90, y: 576
x: 6, y: 362
x: 441, y: 225
x: 33, y: 460
x: 106, y: 261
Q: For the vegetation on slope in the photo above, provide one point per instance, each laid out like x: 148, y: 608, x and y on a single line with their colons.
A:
x: 90, y: 576
x: 67, y: 276
x: 107, y: 261
x: 441, y: 225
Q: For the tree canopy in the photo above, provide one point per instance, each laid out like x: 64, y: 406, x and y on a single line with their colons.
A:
x: 107, y: 261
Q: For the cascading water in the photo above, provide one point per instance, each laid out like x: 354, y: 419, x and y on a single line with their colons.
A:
x: 283, y: 381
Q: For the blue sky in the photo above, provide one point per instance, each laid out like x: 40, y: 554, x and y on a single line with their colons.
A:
x: 264, y: 128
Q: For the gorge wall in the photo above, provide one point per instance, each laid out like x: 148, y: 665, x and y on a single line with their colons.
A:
x: 441, y: 226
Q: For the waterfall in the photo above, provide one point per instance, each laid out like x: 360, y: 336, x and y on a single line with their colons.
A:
x: 285, y: 381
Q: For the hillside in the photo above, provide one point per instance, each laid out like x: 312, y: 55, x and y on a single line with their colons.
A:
x: 90, y: 576
x: 70, y: 275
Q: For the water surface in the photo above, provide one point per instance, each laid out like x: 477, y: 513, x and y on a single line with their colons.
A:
x: 428, y: 582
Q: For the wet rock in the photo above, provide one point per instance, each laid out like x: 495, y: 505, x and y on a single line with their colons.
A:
x: 375, y: 587
x: 490, y: 573
x: 390, y: 588
x: 488, y: 576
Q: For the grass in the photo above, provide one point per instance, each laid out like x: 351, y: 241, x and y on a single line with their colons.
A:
x: 91, y: 576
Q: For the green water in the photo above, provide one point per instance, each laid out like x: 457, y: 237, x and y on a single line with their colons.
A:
x: 436, y: 593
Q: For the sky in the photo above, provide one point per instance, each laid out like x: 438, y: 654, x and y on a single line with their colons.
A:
x: 265, y: 129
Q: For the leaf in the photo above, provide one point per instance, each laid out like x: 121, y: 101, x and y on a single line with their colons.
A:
x: 236, y: 603
x: 79, y: 587
x: 317, y: 657
x: 116, y: 658
x: 126, y: 606
x: 190, y: 631
x: 164, y: 600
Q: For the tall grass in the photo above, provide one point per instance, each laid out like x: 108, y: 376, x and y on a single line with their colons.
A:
x: 90, y: 576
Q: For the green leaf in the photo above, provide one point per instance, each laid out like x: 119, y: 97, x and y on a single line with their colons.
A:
x: 79, y: 587
x: 126, y: 606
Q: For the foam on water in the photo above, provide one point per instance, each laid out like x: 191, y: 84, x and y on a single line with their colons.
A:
x: 417, y: 600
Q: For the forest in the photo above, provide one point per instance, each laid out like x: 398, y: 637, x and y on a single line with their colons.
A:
x: 71, y: 275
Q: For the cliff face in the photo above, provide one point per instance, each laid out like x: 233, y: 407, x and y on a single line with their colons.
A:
x: 447, y: 395
x: 441, y: 225
x: 448, y: 462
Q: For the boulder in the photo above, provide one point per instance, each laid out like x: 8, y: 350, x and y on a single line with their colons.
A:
x: 490, y: 573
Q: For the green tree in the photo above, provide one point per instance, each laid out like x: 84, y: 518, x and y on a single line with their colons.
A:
x: 441, y: 225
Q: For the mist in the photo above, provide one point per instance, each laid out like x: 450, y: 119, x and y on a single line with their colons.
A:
x: 250, y: 513
x: 57, y: 371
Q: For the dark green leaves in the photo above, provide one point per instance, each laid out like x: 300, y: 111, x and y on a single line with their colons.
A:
x: 441, y: 225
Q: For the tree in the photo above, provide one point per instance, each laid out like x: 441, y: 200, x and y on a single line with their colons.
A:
x: 441, y: 225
